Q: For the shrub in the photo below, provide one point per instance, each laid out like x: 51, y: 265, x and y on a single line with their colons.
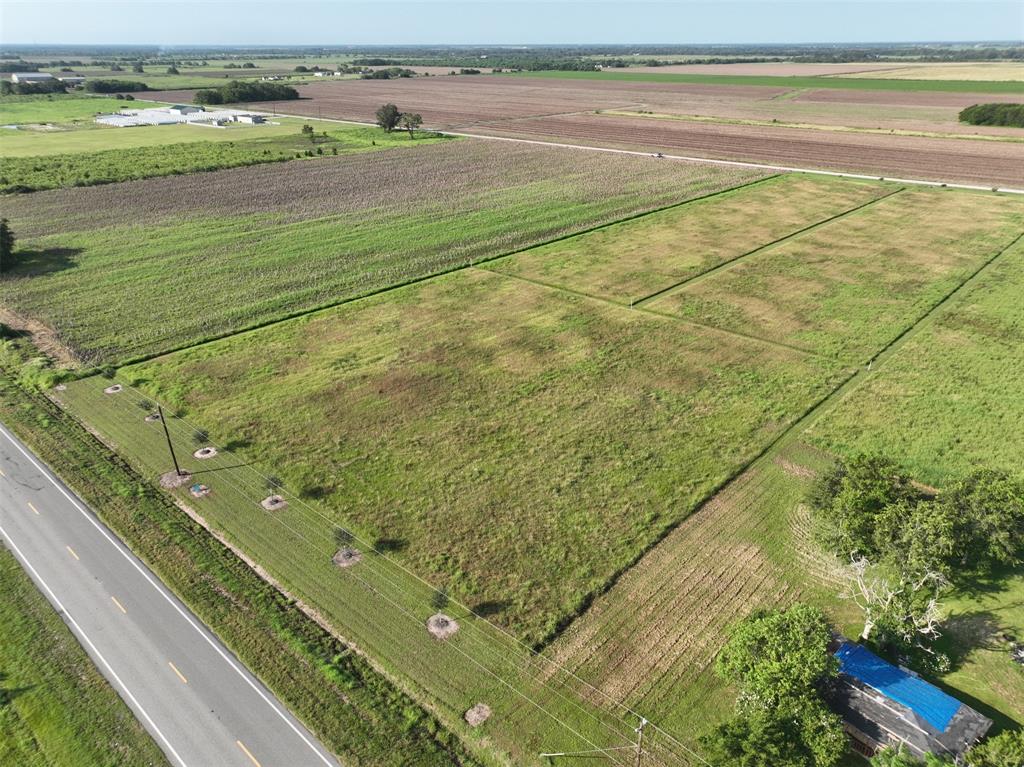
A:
x: 114, y: 86
x: 1011, y: 115
x: 237, y: 91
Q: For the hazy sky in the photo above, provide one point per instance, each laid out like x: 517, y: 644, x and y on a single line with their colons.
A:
x: 284, y: 22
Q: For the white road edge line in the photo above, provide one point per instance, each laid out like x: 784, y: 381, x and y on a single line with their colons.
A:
x: 121, y: 548
x: 687, y: 158
x: 82, y: 635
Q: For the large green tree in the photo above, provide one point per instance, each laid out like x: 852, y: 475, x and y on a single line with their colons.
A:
x: 778, y: 655
x: 388, y: 117
x: 804, y: 735
x: 847, y: 500
x: 6, y: 245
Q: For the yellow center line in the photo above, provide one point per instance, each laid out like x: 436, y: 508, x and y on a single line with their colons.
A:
x: 33, y: 507
x: 175, y: 670
x: 248, y: 753
x: 119, y: 605
x: 71, y: 551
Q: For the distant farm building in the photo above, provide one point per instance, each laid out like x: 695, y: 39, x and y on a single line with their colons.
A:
x: 884, y: 705
x: 71, y: 79
x: 177, y: 115
x: 31, y: 77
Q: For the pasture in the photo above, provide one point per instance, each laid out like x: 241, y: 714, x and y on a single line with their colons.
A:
x: 55, y: 109
x: 631, y: 261
x: 849, y: 287
x: 219, y: 261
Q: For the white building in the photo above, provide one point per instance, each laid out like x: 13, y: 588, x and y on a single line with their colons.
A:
x: 182, y: 109
x: 71, y: 79
x: 31, y: 77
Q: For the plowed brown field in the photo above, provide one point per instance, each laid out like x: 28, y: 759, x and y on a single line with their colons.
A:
x: 563, y: 110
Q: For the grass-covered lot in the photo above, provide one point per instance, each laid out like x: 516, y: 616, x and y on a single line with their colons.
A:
x: 233, y: 249
x: 632, y: 261
x: 55, y: 708
x: 847, y: 288
x: 524, y: 444
x: 63, y: 110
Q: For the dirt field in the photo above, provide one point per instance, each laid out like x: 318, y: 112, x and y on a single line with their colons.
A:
x: 563, y: 110
x: 981, y: 70
x: 940, y: 159
x: 770, y: 69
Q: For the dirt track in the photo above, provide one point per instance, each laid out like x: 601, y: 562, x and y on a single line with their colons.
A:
x: 563, y: 110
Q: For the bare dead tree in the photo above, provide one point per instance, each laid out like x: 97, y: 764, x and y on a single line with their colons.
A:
x: 896, y: 602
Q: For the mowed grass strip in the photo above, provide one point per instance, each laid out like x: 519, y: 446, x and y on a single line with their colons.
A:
x: 55, y: 708
x: 849, y: 287
x: 160, y: 264
x: 951, y: 399
x: 630, y: 261
x: 525, y: 444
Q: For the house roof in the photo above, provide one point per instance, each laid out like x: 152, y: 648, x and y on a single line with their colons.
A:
x: 890, y: 705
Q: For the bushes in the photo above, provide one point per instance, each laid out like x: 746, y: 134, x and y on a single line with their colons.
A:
x: 237, y: 91
x: 1011, y: 115
x: 114, y: 86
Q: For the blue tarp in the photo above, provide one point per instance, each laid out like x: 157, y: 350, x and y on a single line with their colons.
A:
x: 926, y: 700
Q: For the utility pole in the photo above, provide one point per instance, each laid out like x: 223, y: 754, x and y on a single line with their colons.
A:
x: 177, y: 469
x: 640, y: 740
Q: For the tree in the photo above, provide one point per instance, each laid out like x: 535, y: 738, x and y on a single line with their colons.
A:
x: 778, y: 655
x: 1003, y: 750
x: 6, y: 245
x: 307, y: 130
x: 847, y: 500
x: 807, y: 735
x: 987, y: 509
x: 410, y: 122
x: 137, y: 67
x: 172, y: 70
x: 388, y: 117
x: 439, y: 599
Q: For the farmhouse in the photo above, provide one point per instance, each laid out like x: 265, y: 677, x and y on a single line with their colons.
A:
x: 883, y: 705
x: 31, y: 77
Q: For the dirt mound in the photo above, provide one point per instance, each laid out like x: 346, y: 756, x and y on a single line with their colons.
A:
x: 274, y: 503
x: 205, y: 452
x: 347, y: 557
x: 441, y: 626
x: 478, y: 714
x: 113, y: 389
x: 172, y: 479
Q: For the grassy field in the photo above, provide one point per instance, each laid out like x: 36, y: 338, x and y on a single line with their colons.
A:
x: 356, y: 224
x: 844, y: 83
x: 951, y: 401
x: 634, y: 260
x: 847, y: 288
x: 245, y: 146
x: 355, y: 711
x: 55, y: 708
x: 54, y: 108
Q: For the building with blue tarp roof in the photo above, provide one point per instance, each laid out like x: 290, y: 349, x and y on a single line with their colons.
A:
x: 886, y: 705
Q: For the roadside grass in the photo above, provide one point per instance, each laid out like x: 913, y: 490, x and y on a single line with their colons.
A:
x: 55, y: 708
x: 54, y: 108
x: 844, y: 83
x: 630, y: 261
x: 352, y: 708
x: 951, y: 400
x: 846, y: 288
x: 228, y: 148
x: 216, y: 261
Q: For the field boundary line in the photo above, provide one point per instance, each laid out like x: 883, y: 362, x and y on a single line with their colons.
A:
x: 652, y: 312
x: 423, y: 278
x: 725, y: 265
x: 686, y: 158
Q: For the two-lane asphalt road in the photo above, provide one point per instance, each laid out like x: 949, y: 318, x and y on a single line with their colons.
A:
x: 202, y: 706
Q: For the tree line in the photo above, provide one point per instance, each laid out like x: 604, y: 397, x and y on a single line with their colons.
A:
x: 1011, y: 115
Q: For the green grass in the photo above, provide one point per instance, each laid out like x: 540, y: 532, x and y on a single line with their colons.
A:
x: 355, y: 711
x: 630, y: 261
x: 53, y: 108
x: 230, y: 148
x: 510, y: 442
x: 950, y: 401
x: 846, y: 288
x: 55, y: 708
x: 217, y: 260
x: 843, y: 83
